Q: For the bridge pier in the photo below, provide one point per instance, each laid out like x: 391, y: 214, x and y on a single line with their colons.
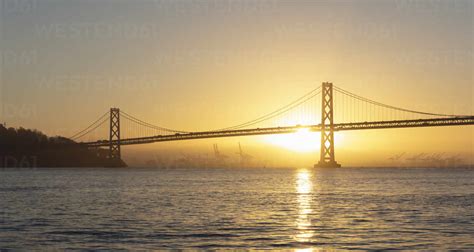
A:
x: 327, y: 157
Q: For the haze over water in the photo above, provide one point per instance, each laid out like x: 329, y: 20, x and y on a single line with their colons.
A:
x: 347, y: 208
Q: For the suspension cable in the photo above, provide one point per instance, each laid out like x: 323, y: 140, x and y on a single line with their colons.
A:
x: 279, y: 111
x: 389, y: 106
x: 88, y: 127
x: 145, y: 124
x: 92, y: 129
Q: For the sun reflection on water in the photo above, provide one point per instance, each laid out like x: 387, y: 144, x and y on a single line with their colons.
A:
x: 304, y: 188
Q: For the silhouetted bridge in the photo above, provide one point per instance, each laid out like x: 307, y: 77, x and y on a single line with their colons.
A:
x: 353, y: 107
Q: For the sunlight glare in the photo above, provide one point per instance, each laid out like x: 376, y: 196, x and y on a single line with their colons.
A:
x: 304, y: 189
x: 303, y: 140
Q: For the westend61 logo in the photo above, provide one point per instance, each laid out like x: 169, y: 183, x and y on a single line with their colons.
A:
x: 93, y: 31
x: 171, y: 7
x: 428, y: 57
x: 74, y: 83
x: 9, y: 161
x: 18, y: 6
x: 214, y: 57
x: 20, y: 57
x: 434, y: 6
x: 18, y: 111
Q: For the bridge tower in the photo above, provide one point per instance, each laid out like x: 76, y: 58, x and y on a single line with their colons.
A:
x: 114, y: 139
x: 327, y: 158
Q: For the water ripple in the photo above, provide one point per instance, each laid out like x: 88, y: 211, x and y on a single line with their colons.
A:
x: 145, y: 209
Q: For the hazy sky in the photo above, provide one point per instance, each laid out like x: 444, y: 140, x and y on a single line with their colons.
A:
x: 197, y: 65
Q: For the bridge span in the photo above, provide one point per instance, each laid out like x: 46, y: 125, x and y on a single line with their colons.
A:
x: 436, y: 122
x: 353, y: 112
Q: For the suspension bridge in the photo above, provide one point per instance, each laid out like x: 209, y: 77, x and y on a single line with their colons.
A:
x: 325, y: 109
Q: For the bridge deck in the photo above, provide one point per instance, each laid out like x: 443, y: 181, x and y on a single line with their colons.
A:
x: 436, y: 122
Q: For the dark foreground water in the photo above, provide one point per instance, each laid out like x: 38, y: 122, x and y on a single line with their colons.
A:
x: 237, y: 208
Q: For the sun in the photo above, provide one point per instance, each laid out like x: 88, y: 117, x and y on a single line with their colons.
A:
x: 303, y: 140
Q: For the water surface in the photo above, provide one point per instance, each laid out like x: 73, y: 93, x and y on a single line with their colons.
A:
x: 237, y: 208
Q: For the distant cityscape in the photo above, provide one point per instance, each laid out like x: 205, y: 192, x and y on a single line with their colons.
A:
x: 238, y: 159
